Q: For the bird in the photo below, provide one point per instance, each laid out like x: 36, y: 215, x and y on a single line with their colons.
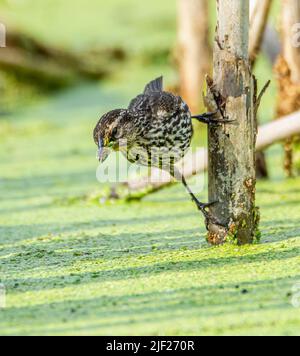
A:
x: 155, y: 130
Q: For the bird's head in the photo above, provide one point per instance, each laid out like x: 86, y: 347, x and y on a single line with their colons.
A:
x: 112, y: 132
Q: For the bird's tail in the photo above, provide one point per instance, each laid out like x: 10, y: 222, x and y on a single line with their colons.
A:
x: 154, y: 86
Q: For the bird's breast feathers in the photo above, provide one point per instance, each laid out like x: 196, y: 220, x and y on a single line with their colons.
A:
x: 162, y: 140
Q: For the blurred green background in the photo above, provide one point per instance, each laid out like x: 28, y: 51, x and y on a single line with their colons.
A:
x: 73, y: 264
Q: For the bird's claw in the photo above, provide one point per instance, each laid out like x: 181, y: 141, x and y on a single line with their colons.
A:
x: 210, y: 114
x: 209, y: 119
x: 209, y: 218
x: 203, y: 208
x: 224, y: 122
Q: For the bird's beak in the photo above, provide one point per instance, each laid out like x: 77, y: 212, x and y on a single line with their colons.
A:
x: 103, y: 152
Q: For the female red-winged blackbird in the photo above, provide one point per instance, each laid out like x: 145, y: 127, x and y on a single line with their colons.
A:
x: 156, y: 130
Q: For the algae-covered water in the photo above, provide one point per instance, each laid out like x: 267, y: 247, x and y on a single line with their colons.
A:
x: 73, y: 265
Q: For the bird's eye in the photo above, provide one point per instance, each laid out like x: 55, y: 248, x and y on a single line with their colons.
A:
x: 114, y: 134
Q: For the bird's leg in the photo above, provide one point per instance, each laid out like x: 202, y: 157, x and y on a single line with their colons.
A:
x: 209, y: 119
x: 201, y: 206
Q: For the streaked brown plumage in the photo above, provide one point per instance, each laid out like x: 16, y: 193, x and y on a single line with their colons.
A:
x: 155, y: 130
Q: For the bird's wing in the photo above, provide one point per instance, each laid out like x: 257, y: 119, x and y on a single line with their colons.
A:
x: 156, y: 105
x: 164, y: 104
x: 156, y: 86
x: 142, y: 102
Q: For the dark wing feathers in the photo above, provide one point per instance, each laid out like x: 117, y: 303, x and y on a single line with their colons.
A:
x: 140, y: 103
x: 154, y: 86
x: 156, y: 103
